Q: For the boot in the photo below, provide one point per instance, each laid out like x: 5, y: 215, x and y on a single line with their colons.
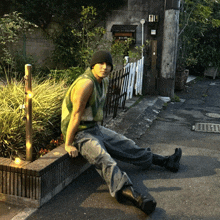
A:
x: 127, y: 193
x: 169, y: 162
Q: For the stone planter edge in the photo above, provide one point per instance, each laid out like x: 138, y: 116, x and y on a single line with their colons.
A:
x: 32, y: 184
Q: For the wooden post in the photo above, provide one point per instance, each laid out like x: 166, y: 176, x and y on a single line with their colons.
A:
x: 28, y: 108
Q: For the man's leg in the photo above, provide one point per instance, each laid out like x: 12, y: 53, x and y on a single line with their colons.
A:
x: 126, y: 150
x: 91, y: 147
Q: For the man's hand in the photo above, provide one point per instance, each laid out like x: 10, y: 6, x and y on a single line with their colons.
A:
x: 72, y: 151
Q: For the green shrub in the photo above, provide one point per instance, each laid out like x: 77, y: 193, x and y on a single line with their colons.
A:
x: 46, y: 115
x: 68, y: 75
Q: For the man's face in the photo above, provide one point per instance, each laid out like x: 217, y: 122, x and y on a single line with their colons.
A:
x: 101, y: 70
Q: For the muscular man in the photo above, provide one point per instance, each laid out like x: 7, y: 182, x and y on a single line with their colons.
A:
x: 81, y: 110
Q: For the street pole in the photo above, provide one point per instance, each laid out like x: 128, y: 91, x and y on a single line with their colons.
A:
x: 169, y: 48
x: 142, y: 21
x: 28, y: 109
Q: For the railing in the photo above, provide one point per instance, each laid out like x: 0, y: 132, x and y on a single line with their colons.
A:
x: 117, y: 91
x: 122, y: 84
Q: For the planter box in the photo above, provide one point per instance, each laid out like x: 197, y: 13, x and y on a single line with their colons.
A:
x: 34, y: 183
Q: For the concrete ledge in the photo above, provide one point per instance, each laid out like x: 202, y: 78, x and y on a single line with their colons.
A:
x: 33, y: 184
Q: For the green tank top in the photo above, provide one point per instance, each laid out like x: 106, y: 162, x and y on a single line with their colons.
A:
x: 94, y: 108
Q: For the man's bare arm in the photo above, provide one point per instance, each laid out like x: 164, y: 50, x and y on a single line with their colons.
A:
x: 79, y: 97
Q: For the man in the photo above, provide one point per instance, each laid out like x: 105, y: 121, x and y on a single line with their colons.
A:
x: 81, y: 110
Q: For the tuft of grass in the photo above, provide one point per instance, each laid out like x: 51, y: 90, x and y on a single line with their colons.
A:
x: 46, y: 113
x: 176, y: 98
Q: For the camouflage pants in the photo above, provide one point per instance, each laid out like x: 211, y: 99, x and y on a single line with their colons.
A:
x: 99, y: 145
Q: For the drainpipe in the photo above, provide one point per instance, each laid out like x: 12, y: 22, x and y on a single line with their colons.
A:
x: 142, y: 21
x: 169, y: 49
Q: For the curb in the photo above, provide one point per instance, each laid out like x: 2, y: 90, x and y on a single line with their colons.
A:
x: 144, y: 120
x: 137, y: 119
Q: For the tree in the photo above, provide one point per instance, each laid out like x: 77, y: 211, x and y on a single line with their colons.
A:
x: 67, y: 16
x: 41, y: 12
x: 199, y: 34
x: 88, y: 37
x: 75, y: 44
x: 11, y: 25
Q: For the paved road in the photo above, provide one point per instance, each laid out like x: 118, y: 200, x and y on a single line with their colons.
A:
x: 192, y: 193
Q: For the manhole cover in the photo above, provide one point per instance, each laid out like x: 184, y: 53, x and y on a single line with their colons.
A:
x: 206, y: 127
x: 213, y: 115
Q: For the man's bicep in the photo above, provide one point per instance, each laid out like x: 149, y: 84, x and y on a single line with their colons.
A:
x: 81, y: 94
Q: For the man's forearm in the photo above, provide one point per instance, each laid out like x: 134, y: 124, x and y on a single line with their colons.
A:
x: 70, y: 135
x: 71, y: 131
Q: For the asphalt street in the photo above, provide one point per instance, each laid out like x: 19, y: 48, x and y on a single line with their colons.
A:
x: 191, y: 193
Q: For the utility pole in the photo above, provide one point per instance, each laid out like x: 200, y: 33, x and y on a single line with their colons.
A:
x: 169, y: 50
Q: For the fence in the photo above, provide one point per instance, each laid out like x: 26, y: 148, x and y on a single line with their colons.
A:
x: 122, y: 84
x: 117, y: 91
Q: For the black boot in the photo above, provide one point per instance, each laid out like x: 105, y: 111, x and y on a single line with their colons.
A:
x: 147, y: 205
x: 169, y: 162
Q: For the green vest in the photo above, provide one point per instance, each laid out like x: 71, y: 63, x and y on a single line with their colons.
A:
x: 94, y: 108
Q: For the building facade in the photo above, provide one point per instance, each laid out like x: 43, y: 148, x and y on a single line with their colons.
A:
x: 153, y: 20
x: 156, y: 21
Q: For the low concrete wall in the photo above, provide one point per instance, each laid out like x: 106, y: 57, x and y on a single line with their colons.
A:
x: 33, y: 184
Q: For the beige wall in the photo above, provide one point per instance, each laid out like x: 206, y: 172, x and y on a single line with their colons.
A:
x: 37, y: 45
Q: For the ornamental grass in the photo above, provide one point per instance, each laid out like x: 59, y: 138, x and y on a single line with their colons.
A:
x: 46, y: 116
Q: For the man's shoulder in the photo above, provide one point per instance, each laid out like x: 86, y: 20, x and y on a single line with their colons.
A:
x: 84, y: 82
x: 84, y: 78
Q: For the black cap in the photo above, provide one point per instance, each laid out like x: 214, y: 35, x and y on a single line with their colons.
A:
x: 101, y: 57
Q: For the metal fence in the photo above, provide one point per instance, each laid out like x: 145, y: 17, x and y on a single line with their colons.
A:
x: 117, y: 91
x: 122, y: 84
